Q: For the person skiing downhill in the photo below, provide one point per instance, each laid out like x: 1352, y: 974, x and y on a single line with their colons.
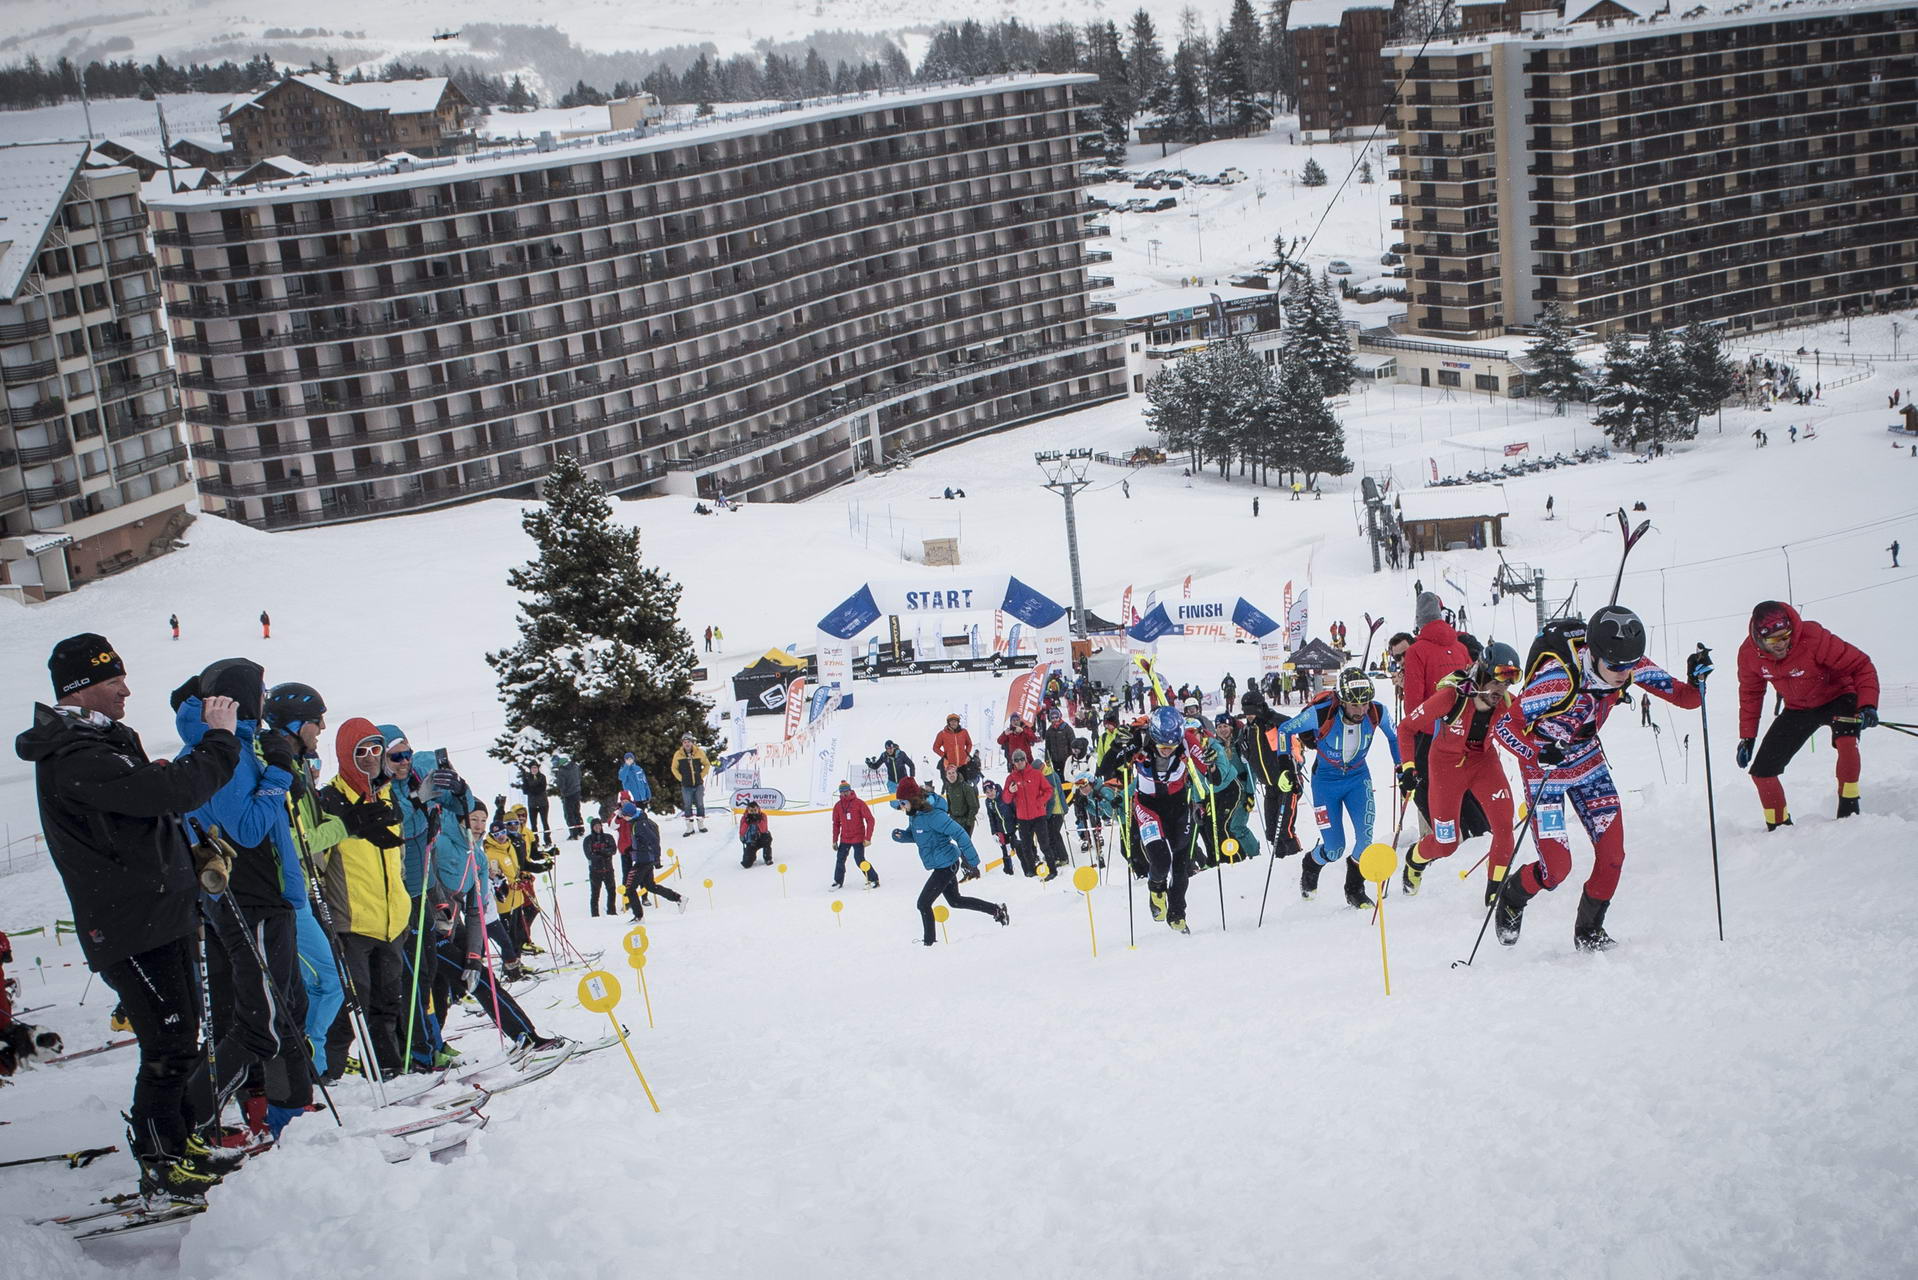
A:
x: 1552, y: 730
x: 1340, y: 726
x: 1458, y: 719
x: 1822, y: 681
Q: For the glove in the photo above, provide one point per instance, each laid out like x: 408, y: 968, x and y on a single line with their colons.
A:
x: 445, y: 781
x: 277, y: 750
x: 1551, y: 755
x: 1408, y: 777
x: 970, y: 871
x: 1697, y: 667
x: 1745, y: 753
x: 1868, y: 717
x: 469, y: 980
x: 902, y: 836
x: 443, y: 920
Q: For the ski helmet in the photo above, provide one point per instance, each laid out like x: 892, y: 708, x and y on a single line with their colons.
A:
x: 1498, y: 661
x: 1251, y: 700
x: 1615, y: 636
x: 1354, y: 686
x: 290, y: 705
x: 1167, y: 726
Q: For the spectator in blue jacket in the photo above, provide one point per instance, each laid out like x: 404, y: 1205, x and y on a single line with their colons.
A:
x: 943, y: 847
x: 633, y: 780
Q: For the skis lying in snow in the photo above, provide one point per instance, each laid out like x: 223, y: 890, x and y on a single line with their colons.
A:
x: 88, y: 1053
x: 438, y: 1141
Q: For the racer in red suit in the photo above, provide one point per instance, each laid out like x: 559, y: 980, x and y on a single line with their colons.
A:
x: 1458, y: 718
x: 1823, y: 681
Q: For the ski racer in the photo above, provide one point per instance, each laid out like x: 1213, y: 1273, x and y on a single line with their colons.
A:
x: 1162, y: 786
x: 1551, y: 728
x: 1823, y: 682
x: 1228, y: 774
x: 1268, y: 760
x: 1340, y: 725
x: 1457, y: 719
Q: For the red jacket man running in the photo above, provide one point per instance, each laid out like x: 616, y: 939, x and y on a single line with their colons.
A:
x: 1823, y: 681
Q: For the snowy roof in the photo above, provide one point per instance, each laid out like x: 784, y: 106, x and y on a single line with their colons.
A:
x: 368, y: 179
x: 34, y: 179
x: 1454, y: 502
x: 405, y: 97
x: 1687, y: 15
x: 182, y: 177
x: 210, y: 142
x: 1157, y: 302
x: 146, y: 151
x: 1325, y: 13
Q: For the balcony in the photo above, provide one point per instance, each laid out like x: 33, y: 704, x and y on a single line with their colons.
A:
x: 22, y: 330
x: 16, y: 375
x: 41, y: 411
x: 139, y: 424
x: 127, y: 266
x: 47, y: 495
x: 152, y: 462
x: 34, y: 455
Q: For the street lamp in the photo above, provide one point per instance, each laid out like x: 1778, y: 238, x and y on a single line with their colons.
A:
x: 1198, y: 231
x: 1066, y: 475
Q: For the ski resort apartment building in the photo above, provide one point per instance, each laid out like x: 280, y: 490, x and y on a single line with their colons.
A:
x: 1748, y: 163
x: 756, y: 306
x: 93, y: 472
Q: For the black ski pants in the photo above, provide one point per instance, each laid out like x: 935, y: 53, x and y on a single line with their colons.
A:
x: 491, y: 997
x: 641, y: 881
x: 1169, y: 864
x: 944, y: 883
x: 160, y: 993
x: 538, y: 817
x: 376, y: 972
x: 1280, y: 808
x: 602, y: 878
x: 575, y: 824
x: 258, y: 1016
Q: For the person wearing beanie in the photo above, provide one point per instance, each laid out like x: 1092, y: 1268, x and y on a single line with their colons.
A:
x: 646, y: 859
x: 755, y: 835
x: 111, y: 818
x: 600, y: 848
x: 943, y: 847
x: 851, y: 832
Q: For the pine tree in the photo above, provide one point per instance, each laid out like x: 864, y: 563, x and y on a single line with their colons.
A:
x: 1365, y: 171
x: 1312, y: 175
x: 518, y: 98
x: 602, y: 665
x: 1308, y: 437
x: 1713, y: 375
x: 1669, y: 393
x: 1173, y: 407
x: 1182, y: 117
x: 1145, y: 65
x: 1619, y: 401
x: 1559, y: 377
x: 1318, y: 333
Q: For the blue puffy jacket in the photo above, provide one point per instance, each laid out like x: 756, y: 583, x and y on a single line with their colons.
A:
x: 632, y: 779
x: 941, y: 841
x: 414, y: 818
x: 251, y: 808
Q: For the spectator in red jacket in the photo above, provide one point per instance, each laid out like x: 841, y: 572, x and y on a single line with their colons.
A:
x: 755, y: 835
x: 1017, y: 737
x: 851, y: 830
x: 1032, y: 795
x: 952, y: 744
x: 1823, y: 682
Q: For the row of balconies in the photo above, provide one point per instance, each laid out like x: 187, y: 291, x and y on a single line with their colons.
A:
x: 357, y: 331
x: 1689, y: 163
x: 222, y: 487
x: 1657, y: 85
x: 1808, y: 265
x: 551, y: 189
x: 1719, y: 228
x: 470, y: 276
x: 1770, y: 246
x: 318, y: 405
x: 1746, y: 47
x: 499, y: 237
x: 1760, y: 201
x: 619, y: 345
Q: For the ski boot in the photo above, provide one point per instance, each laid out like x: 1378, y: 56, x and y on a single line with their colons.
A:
x: 1413, y: 875
x: 1847, y: 806
x: 1309, y: 876
x: 1178, y: 926
x: 1003, y: 914
x: 1509, y: 916
x: 176, y: 1181
x: 1355, y: 886
x: 1786, y: 820
x: 1158, y: 904
x: 769, y: 857
x: 1588, y: 933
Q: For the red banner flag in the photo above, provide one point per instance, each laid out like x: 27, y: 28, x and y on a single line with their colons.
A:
x: 1513, y: 450
x: 1022, y: 699
x: 795, y: 704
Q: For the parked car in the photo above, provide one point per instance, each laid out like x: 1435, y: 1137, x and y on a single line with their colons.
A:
x: 1388, y: 259
x: 1162, y: 204
x: 1232, y: 175
x: 1339, y: 267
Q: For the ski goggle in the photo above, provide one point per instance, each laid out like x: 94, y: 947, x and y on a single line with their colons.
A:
x: 1505, y: 674
x: 1777, y: 635
x: 399, y: 757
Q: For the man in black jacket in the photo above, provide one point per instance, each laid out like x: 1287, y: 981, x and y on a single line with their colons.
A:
x: 112, y: 823
x: 1059, y: 738
x: 533, y: 783
x: 568, y: 781
x: 599, y: 848
x: 1265, y: 749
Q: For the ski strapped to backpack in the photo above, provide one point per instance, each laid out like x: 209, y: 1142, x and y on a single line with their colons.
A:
x: 1564, y: 638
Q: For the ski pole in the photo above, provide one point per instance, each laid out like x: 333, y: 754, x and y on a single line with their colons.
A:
x: 1711, y: 800
x: 1511, y: 868
x: 1898, y: 728
x: 1271, y: 860
x: 1466, y: 874
x: 419, y: 932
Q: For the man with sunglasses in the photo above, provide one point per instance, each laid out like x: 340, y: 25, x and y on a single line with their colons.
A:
x: 1457, y: 720
x: 1341, y: 726
x: 1823, y: 682
x: 1552, y: 728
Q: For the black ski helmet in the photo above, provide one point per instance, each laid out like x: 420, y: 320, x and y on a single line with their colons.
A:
x: 292, y: 704
x: 1615, y: 636
x: 1355, y: 686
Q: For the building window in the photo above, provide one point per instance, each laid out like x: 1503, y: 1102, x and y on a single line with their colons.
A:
x: 1448, y: 377
x: 1486, y: 381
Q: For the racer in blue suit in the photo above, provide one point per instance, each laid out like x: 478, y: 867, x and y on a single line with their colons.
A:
x: 1341, y: 728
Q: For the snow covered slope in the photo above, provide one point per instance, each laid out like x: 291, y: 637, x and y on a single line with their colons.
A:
x: 1243, y: 1101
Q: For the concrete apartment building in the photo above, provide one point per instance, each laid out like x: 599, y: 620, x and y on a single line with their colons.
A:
x: 755, y: 305
x: 93, y: 474
x: 310, y: 118
x: 1343, y: 91
x: 1750, y: 163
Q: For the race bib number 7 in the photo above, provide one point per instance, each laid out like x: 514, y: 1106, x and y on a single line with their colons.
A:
x: 1551, y: 818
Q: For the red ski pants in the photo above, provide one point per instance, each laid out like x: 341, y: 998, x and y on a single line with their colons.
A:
x: 1593, y: 799
x: 1448, y: 778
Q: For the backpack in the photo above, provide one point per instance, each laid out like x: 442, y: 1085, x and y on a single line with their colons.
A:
x: 1563, y: 639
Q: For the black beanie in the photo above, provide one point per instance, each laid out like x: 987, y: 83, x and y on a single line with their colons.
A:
x: 240, y: 679
x: 82, y: 660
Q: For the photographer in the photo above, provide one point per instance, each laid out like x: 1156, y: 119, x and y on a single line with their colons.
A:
x: 112, y: 825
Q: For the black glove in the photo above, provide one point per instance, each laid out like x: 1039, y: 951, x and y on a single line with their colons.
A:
x: 280, y: 752
x: 1745, y: 752
x: 1551, y: 755
x: 968, y: 871
x: 1868, y: 717
x: 445, y: 781
x: 1408, y: 777
x: 1698, y: 666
